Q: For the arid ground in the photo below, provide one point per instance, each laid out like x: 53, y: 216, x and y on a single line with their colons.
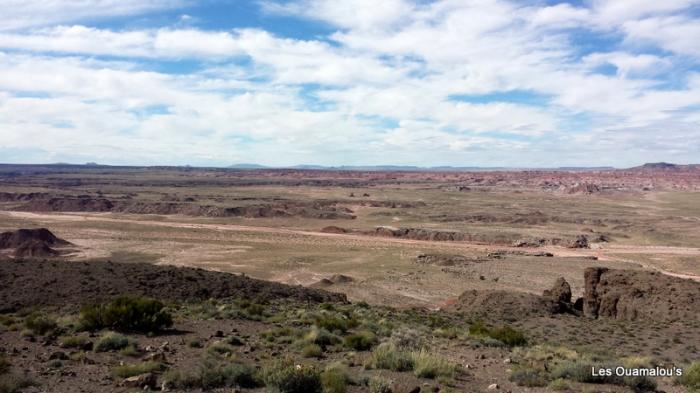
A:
x: 408, y: 242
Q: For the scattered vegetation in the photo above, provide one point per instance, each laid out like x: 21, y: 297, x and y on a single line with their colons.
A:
x: 427, y: 365
x: 378, y: 384
x: 39, y: 324
x: 388, y: 357
x: 504, y: 334
x: 112, y: 341
x: 211, y: 375
x: 284, y: 376
x: 127, y: 313
x: 12, y: 383
x: 691, y: 377
x: 363, y: 340
x: 130, y: 370
x: 335, y: 379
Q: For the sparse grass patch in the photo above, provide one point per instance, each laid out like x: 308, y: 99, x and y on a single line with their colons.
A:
x: 528, y: 377
x: 388, y: 357
x: 335, y: 379
x: 75, y: 342
x: 321, y: 337
x: 131, y: 370
x: 363, y: 340
x: 378, y: 384
x: 283, y: 376
x: 39, y: 324
x: 428, y: 365
x: 126, y: 313
x: 691, y: 377
x: 112, y: 341
x: 312, y: 351
x: 212, y: 375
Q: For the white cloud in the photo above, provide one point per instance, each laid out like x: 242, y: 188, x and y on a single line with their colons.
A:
x: 20, y: 14
x: 378, y: 90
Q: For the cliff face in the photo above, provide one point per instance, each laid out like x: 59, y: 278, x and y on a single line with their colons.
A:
x: 631, y: 295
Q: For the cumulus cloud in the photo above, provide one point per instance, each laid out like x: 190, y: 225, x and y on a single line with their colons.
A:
x: 489, y: 82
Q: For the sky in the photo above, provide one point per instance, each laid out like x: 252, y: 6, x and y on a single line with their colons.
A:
x: 350, y: 82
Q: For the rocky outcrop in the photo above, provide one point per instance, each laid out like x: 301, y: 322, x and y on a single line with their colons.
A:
x: 442, y: 259
x: 560, y: 292
x: 632, y: 295
x: 32, y: 243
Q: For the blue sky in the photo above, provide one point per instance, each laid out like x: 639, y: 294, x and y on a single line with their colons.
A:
x: 354, y: 82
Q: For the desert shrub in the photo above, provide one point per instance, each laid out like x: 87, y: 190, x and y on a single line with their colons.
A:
x: 234, y: 374
x: 312, y: 351
x: 427, y: 365
x: 39, y: 324
x: 379, y: 385
x: 234, y: 341
x: 220, y: 348
x: 130, y: 370
x: 126, y: 313
x: 580, y: 371
x: 334, y: 322
x: 363, y: 340
x: 283, y: 376
x: 691, y: 377
x: 210, y: 375
x: 478, y: 329
x: 74, y: 342
x: 386, y: 356
x: 322, y: 337
x: 528, y: 377
x: 195, y: 343
x: 334, y: 379
x: 12, y: 383
x: 111, y: 341
x: 130, y: 350
x: 407, y: 339
x: 558, y: 385
x: 508, y: 336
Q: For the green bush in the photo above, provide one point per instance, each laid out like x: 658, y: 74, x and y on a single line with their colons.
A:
x: 386, y: 356
x: 528, y: 377
x: 363, y: 340
x: 210, y: 375
x: 39, y: 324
x: 283, y: 376
x: 478, y: 329
x: 74, y: 342
x: 509, y: 336
x: 379, y: 385
x: 127, y: 313
x: 427, y: 365
x: 111, y: 341
x: 334, y: 380
x: 131, y: 370
x: 333, y: 323
x: 322, y: 337
x: 312, y: 351
x: 220, y: 348
x: 691, y: 377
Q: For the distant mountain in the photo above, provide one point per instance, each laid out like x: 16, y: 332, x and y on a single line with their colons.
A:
x: 247, y: 166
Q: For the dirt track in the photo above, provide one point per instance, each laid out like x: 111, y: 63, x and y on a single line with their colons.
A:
x: 608, y: 252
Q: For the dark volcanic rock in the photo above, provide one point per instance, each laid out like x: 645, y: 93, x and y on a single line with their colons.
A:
x: 38, y: 283
x: 631, y: 295
x: 560, y: 292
